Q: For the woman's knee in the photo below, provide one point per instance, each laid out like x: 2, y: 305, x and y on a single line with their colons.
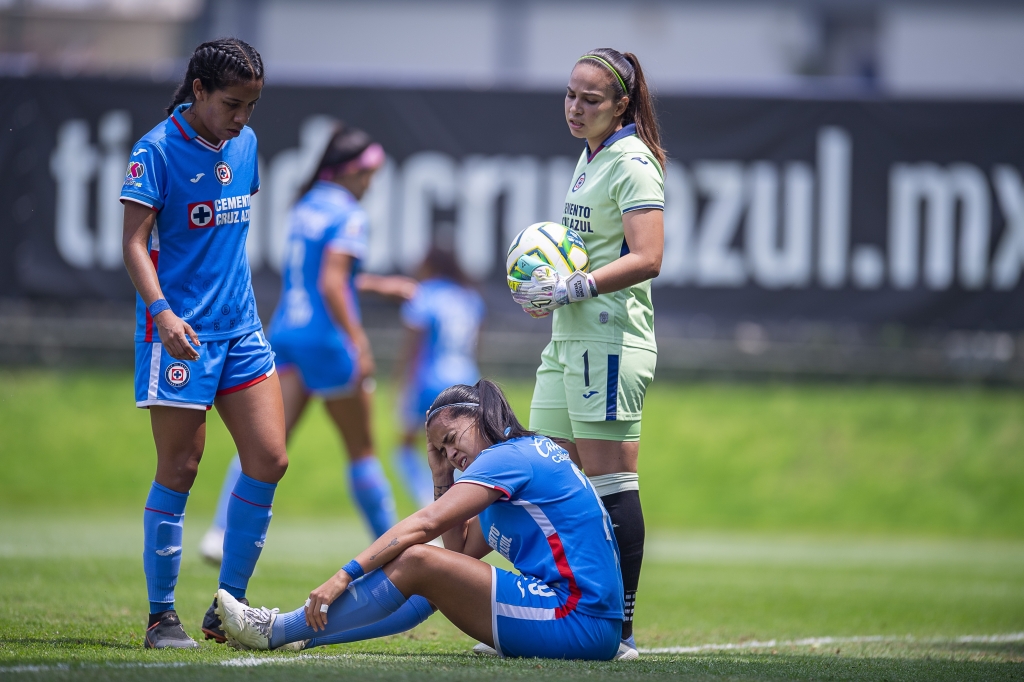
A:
x: 269, y: 466
x: 178, y: 470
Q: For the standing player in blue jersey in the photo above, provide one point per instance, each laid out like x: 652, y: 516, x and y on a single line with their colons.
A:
x: 199, y: 340
x: 321, y: 346
x: 442, y: 322
x: 519, y: 495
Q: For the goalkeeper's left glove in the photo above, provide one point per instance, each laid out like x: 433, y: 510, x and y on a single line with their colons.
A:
x: 547, y: 290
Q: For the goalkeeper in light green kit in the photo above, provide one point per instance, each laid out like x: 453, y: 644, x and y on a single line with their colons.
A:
x: 595, y: 371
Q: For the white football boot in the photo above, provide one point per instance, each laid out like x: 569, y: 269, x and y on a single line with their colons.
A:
x: 482, y: 649
x: 245, y: 626
x: 627, y: 650
x: 211, y: 547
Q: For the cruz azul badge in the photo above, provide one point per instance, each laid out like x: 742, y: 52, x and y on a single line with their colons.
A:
x: 223, y: 172
x: 579, y: 181
x: 200, y: 215
x: 177, y: 374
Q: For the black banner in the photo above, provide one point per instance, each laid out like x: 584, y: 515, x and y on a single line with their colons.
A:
x: 867, y: 211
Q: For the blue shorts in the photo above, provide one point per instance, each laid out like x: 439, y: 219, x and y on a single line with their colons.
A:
x: 223, y: 366
x: 524, y: 625
x: 328, y: 366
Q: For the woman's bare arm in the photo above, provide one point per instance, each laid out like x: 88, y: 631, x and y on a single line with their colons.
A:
x: 645, y: 234
x: 393, y: 286
x: 334, y: 286
x: 176, y: 335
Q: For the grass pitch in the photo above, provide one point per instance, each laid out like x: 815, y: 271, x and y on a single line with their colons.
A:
x: 808, y: 532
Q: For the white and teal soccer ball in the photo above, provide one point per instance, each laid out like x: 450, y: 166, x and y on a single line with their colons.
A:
x: 555, y: 245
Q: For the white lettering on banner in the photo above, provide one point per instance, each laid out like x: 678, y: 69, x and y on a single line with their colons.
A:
x: 728, y: 223
x: 74, y: 164
x: 834, y: 163
x: 936, y: 193
x: 1006, y: 266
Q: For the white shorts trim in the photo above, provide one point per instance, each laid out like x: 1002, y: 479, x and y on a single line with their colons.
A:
x: 525, y: 612
x: 154, y: 369
x: 171, y: 403
x: 494, y: 611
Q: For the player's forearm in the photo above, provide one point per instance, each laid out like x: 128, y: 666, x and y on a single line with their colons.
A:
x: 337, y: 299
x: 633, y: 268
x: 141, y: 270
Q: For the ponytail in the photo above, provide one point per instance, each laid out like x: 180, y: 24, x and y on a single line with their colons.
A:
x: 629, y: 81
x: 487, y: 404
x: 218, y: 64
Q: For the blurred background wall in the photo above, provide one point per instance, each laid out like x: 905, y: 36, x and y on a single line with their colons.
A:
x: 928, y: 92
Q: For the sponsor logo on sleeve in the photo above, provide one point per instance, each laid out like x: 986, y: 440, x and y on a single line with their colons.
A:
x: 135, y: 171
x: 177, y: 374
x: 223, y: 172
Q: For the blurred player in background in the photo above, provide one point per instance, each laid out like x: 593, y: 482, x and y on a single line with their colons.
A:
x: 199, y: 340
x: 595, y: 372
x: 519, y: 495
x: 322, y: 348
x: 442, y: 322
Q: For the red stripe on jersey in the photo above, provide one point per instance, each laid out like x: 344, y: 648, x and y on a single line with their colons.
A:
x: 247, y: 384
x: 153, y: 256
x: 177, y: 125
x: 558, y: 551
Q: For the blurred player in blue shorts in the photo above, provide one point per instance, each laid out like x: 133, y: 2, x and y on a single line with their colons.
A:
x: 199, y: 340
x: 519, y: 495
x: 443, y: 325
x: 322, y: 349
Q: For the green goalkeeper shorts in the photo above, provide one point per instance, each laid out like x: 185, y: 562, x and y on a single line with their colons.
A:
x: 591, y: 389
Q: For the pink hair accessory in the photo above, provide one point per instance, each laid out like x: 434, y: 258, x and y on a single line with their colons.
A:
x: 372, y: 158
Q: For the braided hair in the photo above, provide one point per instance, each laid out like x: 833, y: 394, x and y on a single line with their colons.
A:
x: 218, y: 64
x: 626, y: 72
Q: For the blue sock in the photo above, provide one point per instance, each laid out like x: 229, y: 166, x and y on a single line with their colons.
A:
x: 248, y: 520
x: 368, y: 600
x: 162, y: 524
x: 372, y: 492
x: 409, y: 615
x: 220, y: 519
x: 415, y: 474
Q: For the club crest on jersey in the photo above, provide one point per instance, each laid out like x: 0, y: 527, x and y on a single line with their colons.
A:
x: 579, y: 181
x: 200, y: 214
x: 223, y: 172
x: 177, y: 374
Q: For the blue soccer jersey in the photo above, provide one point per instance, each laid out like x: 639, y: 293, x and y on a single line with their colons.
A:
x: 448, y: 316
x: 201, y: 194
x: 328, y: 216
x: 551, y: 525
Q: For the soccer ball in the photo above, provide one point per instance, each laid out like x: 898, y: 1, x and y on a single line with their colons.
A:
x: 555, y: 245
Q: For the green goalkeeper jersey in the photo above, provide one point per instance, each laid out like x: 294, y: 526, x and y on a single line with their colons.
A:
x: 622, y: 175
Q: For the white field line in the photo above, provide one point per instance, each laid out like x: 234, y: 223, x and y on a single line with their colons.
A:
x: 823, y: 641
x: 253, y: 661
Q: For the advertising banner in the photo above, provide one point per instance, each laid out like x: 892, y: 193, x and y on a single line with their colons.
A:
x: 862, y: 211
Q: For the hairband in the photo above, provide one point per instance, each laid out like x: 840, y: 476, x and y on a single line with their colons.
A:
x: 434, y: 411
x: 370, y: 158
x: 610, y: 67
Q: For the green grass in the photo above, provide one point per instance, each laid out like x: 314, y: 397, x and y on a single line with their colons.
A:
x: 876, y: 459
x: 776, y: 513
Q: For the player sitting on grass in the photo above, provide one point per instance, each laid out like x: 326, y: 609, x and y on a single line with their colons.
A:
x: 519, y: 494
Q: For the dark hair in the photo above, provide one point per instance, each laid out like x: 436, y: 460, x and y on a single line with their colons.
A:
x: 640, y: 109
x: 345, y: 144
x: 441, y: 263
x: 218, y: 64
x: 484, y: 401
